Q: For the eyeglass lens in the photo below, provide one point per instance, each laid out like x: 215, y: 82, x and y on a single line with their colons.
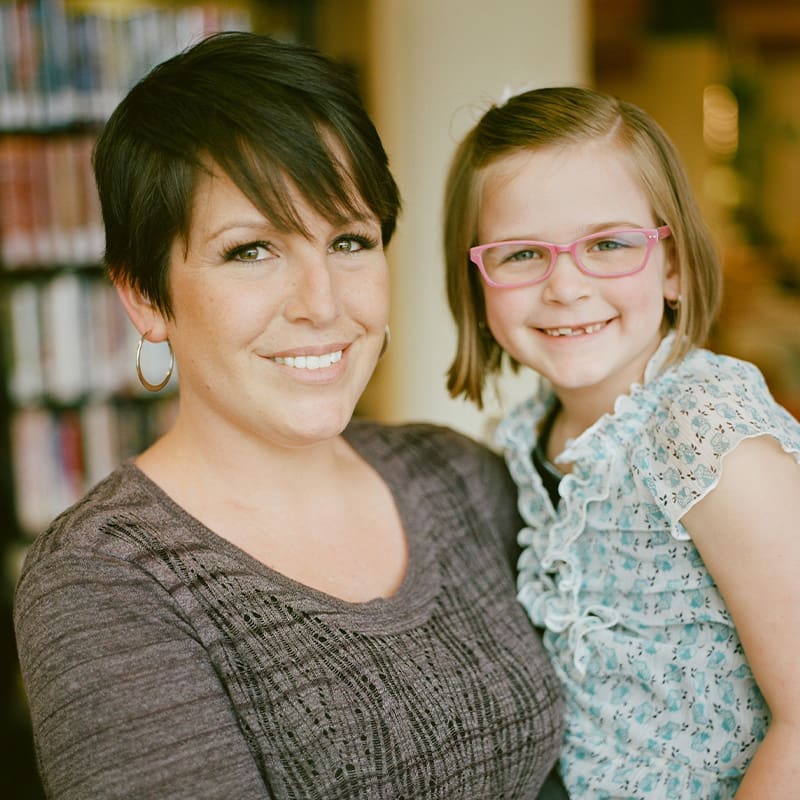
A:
x: 607, y: 254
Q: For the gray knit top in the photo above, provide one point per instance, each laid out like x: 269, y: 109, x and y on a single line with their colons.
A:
x: 163, y: 662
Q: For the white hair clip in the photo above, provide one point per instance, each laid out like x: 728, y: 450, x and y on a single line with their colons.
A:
x: 510, y: 91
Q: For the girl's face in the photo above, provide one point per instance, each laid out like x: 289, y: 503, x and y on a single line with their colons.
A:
x: 275, y: 335
x: 590, y: 337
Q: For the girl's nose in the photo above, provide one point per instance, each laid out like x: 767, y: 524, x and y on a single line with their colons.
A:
x: 566, y: 283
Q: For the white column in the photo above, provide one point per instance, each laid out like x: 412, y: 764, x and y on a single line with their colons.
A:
x: 434, y: 66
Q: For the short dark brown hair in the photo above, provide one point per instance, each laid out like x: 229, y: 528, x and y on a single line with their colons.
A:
x: 270, y: 114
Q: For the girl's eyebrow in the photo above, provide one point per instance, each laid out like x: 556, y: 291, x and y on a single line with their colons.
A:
x: 606, y: 226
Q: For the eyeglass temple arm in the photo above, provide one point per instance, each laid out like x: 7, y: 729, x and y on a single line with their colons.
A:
x: 663, y: 232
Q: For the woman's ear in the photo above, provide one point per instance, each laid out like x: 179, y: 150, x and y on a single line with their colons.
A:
x: 146, y: 318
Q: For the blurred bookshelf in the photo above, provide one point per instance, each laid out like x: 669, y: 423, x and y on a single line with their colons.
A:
x: 71, y: 407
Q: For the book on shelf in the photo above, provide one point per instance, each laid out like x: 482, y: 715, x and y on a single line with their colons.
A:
x: 17, y: 190
x: 49, y: 208
x: 60, y: 65
x: 68, y: 338
x: 60, y: 454
x: 54, y: 84
x: 24, y: 346
x: 64, y: 339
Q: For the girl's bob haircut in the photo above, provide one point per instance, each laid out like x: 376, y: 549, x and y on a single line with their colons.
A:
x: 571, y: 116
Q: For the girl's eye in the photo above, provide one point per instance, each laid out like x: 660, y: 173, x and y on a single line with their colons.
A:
x: 609, y: 244
x: 528, y: 254
x: 352, y: 244
x: 249, y: 253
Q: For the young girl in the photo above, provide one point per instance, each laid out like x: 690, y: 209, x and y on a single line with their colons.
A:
x: 659, y: 481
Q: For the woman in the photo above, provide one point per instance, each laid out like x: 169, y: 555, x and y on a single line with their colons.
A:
x: 272, y: 600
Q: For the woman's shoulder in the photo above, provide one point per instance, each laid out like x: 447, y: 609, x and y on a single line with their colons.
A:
x: 93, y: 524
x: 433, y: 451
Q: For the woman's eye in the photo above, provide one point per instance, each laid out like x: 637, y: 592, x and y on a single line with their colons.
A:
x: 346, y: 246
x: 254, y: 251
x: 352, y: 244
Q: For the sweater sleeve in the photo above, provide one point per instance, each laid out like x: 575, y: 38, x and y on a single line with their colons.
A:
x: 123, y: 697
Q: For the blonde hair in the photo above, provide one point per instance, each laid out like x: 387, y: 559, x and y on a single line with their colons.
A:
x: 566, y: 116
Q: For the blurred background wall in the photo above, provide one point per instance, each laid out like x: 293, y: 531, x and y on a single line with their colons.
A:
x: 723, y: 78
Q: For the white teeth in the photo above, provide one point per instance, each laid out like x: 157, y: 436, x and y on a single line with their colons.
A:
x: 593, y: 328
x: 310, y: 362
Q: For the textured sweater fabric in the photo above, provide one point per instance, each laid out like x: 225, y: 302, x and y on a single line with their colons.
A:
x: 161, y: 661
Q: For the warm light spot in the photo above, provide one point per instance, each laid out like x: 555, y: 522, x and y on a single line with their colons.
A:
x: 720, y: 120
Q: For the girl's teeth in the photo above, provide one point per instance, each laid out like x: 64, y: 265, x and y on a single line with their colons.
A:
x: 574, y: 331
x: 310, y: 362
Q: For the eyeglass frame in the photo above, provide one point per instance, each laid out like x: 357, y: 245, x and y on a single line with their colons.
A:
x: 654, y: 235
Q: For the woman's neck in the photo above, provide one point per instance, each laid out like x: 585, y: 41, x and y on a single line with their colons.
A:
x: 235, y: 464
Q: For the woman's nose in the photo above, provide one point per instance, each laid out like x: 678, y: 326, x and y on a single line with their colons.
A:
x: 313, y: 291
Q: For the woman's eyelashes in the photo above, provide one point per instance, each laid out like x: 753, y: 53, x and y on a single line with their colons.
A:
x: 249, y: 253
x: 258, y: 251
x: 353, y: 242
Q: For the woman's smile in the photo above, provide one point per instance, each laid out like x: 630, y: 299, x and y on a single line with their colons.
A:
x: 310, y: 362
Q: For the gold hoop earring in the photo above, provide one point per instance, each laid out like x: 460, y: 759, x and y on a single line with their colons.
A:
x: 387, y: 337
x: 153, y: 387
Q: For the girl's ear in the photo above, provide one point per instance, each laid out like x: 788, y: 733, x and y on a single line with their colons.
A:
x: 672, y: 280
x: 146, y: 318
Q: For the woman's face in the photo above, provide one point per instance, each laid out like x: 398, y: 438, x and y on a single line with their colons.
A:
x: 275, y: 335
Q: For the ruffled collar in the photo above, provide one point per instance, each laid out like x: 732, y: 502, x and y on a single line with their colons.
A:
x: 550, y: 574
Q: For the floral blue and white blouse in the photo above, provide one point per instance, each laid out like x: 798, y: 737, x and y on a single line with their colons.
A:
x: 661, y: 702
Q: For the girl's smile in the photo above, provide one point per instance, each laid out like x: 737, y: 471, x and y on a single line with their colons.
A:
x: 577, y: 330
